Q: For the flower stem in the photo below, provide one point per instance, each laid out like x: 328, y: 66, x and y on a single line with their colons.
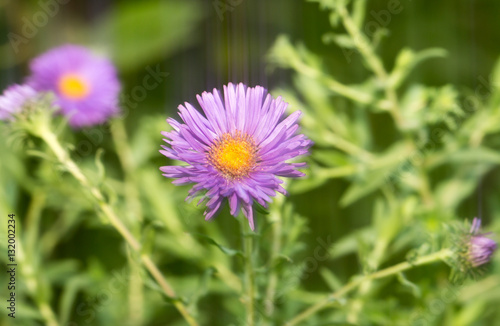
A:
x: 134, y: 208
x: 250, y: 279
x: 440, y: 255
x: 275, y: 251
x: 63, y: 157
x: 120, y: 139
x: 28, y: 271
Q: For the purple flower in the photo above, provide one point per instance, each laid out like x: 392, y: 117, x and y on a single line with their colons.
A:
x: 13, y: 99
x: 481, y: 248
x: 237, y: 151
x: 86, y: 86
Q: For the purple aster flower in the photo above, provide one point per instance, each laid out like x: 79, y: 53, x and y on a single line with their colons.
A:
x: 13, y: 99
x: 86, y: 86
x: 237, y: 151
x: 481, y: 248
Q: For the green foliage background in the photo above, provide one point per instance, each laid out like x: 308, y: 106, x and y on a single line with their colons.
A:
x: 399, y: 154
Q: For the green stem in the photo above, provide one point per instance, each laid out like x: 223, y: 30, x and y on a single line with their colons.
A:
x: 63, y: 157
x: 362, y: 43
x: 135, y: 294
x: 440, y: 255
x: 277, y: 225
x: 133, y: 202
x: 250, y: 279
x: 330, y: 82
x: 347, y: 146
x: 364, y: 47
x: 126, y: 158
x: 33, y: 216
x: 28, y: 271
x: 425, y: 188
x: 48, y: 314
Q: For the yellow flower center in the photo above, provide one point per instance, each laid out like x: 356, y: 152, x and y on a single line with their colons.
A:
x: 73, y: 86
x: 233, y: 155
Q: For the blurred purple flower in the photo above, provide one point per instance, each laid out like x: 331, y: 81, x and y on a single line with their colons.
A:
x: 481, y: 248
x: 237, y: 151
x: 13, y: 99
x: 86, y: 86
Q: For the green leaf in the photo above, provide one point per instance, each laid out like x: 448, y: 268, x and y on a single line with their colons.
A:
x: 342, y: 40
x: 451, y: 192
x: 407, y: 60
x: 330, y: 278
x: 101, y: 171
x: 378, y: 174
x: 412, y: 286
x: 310, y: 182
x: 226, y: 250
x: 331, y: 158
x: 495, y: 75
x: 150, y: 31
x: 478, y: 155
x: 59, y: 272
x: 359, y: 11
x: 475, y: 155
x: 360, y: 189
x: 68, y: 296
x: 261, y: 209
x: 349, y: 243
x: 202, y: 288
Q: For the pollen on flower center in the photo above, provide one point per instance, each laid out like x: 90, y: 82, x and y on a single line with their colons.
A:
x: 233, y: 155
x: 73, y: 86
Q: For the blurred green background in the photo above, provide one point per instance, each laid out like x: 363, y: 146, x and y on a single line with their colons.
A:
x: 201, y: 46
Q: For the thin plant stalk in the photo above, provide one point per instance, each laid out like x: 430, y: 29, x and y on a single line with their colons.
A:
x: 363, y: 45
x: 124, y: 152
x: 393, y: 270
x: 120, y: 139
x: 32, y: 226
x: 273, y: 278
x: 33, y: 285
x: 63, y: 157
x: 249, y: 276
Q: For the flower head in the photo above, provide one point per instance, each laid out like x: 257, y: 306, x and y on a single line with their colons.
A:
x: 13, y: 100
x: 472, y: 250
x: 481, y: 248
x: 86, y: 86
x: 238, y: 150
